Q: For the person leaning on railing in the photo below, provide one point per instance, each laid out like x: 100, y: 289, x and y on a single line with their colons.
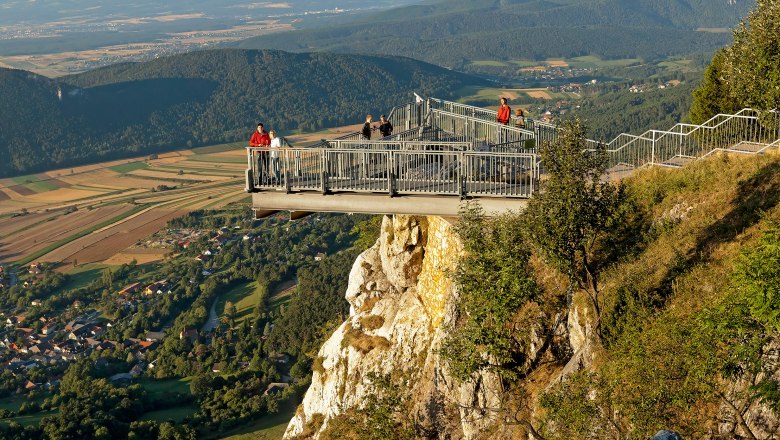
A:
x: 367, y: 128
x: 385, y: 127
x: 276, y: 144
x: 260, y: 139
x: 504, y: 113
x: 519, y: 118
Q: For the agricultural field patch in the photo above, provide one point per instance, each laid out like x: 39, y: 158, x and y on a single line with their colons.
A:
x: 21, y: 190
x: 219, y: 148
x: 38, y: 238
x: 489, y: 63
x: 102, y: 245
x: 130, y: 166
x: 218, y: 159
x: 64, y: 195
x: 184, y: 177
x: 139, y: 255
x: 538, y: 94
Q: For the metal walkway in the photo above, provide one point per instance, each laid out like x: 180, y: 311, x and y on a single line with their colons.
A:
x: 444, y: 152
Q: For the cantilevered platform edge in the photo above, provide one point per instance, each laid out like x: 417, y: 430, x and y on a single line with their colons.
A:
x: 267, y: 202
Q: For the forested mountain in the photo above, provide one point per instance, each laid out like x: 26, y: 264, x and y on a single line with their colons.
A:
x: 195, y: 99
x: 450, y: 32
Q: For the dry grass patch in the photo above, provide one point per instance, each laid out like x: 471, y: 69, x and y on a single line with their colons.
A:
x: 369, y: 303
x: 371, y: 322
x: 362, y: 342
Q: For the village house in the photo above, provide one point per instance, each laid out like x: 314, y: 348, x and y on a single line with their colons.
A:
x: 35, y: 269
x: 158, y: 287
x: 129, y: 290
x: 319, y: 257
x: 191, y: 334
x: 49, y: 328
x: 154, y: 336
x: 36, y: 303
x: 15, y: 320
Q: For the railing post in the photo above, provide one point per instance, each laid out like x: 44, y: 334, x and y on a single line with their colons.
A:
x: 250, y: 176
x: 391, y: 173
x: 287, y: 172
x: 323, y: 171
x: 461, y: 174
x: 652, y: 155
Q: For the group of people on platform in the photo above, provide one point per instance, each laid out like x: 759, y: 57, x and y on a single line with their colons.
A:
x: 262, y: 138
x: 505, y: 114
x: 385, y: 127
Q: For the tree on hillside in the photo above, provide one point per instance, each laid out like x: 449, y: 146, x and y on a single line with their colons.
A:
x: 574, y: 211
x: 712, y: 97
x: 747, y: 73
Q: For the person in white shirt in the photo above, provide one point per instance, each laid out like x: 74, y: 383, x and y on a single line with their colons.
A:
x: 276, y: 142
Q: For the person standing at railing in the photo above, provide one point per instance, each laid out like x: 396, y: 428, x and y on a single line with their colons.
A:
x: 261, y: 139
x: 276, y: 144
x: 367, y: 128
x: 504, y: 113
x: 519, y: 118
x: 385, y: 127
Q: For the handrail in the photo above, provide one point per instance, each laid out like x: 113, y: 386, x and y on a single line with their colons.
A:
x: 395, y: 172
x: 455, y: 149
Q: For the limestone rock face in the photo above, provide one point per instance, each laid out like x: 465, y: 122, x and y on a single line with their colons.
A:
x: 743, y: 417
x: 401, y: 300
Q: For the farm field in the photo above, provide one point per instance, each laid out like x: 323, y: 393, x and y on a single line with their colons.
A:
x: 100, y: 213
x: 515, y: 96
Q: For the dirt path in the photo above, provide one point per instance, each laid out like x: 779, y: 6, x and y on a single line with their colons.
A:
x: 213, y: 321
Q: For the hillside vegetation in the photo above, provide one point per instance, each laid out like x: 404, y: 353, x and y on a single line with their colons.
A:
x: 197, y: 99
x: 451, y: 32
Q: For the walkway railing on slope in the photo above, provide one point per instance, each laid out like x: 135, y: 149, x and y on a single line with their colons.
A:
x: 742, y: 132
x: 396, y: 172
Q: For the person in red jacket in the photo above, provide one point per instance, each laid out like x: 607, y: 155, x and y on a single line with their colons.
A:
x: 260, y: 138
x: 504, y: 113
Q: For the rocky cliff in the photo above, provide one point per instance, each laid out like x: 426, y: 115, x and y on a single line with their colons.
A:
x: 401, y: 301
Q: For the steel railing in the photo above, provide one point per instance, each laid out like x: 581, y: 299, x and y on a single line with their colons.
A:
x: 741, y: 132
x: 425, y: 171
x: 441, y: 147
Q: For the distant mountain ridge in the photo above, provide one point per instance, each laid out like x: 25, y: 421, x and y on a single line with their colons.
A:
x: 198, y: 98
x: 445, y: 32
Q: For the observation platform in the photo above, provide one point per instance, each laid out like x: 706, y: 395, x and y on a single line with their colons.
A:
x: 444, y: 154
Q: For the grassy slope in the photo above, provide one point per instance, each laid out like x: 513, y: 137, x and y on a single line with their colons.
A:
x: 703, y: 216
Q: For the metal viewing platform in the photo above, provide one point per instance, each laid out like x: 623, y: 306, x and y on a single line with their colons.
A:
x: 444, y: 153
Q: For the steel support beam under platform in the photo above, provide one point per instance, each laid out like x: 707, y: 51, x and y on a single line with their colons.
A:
x: 360, y: 203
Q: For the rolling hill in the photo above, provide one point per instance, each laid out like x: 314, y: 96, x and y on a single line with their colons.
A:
x: 450, y: 32
x: 196, y: 99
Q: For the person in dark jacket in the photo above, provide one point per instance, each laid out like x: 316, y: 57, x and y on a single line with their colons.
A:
x: 367, y: 128
x: 385, y: 127
x: 504, y: 113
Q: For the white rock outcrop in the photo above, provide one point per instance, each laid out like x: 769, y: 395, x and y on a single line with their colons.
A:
x: 401, y: 300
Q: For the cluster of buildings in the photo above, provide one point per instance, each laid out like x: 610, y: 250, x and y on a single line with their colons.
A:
x: 549, y: 73
x: 646, y: 87
x: 28, y: 343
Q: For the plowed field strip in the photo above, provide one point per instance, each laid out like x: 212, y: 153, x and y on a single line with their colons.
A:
x: 12, y: 225
x: 102, y: 245
x: 30, y: 241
